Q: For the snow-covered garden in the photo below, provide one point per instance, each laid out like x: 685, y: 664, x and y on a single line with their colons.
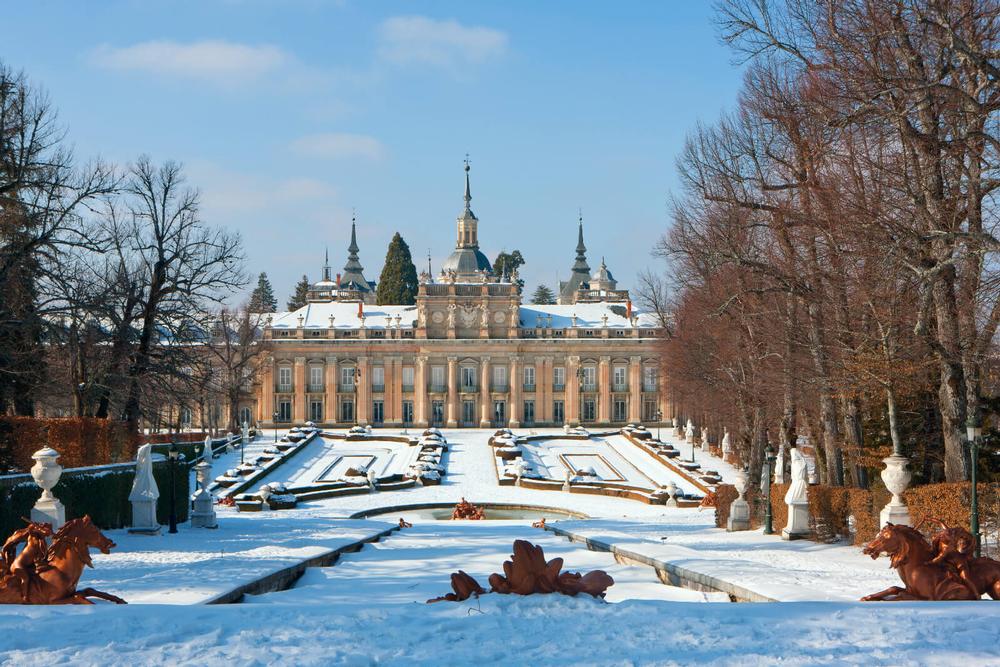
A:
x: 320, y: 584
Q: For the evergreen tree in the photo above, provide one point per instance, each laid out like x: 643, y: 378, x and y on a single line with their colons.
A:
x: 262, y: 299
x: 298, y: 298
x: 398, y: 283
x: 506, y: 264
x: 542, y: 296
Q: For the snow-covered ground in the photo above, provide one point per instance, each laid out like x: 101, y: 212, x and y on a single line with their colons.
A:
x: 369, y: 609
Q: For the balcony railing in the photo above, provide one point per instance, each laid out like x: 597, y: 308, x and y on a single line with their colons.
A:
x: 283, y: 388
x: 315, y: 389
x: 407, y: 387
x: 529, y: 387
x: 649, y: 387
x: 589, y: 387
x: 346, y: 388
x: 500, y: 387
x: 559, y: 387
x: 438, y: 388
x: 621, y: 386
x: 378, y: 388
x: 469, y: 388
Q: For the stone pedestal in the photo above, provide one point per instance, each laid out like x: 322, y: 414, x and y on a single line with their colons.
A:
x: 46, y: 473
x: 203, y: 513
x: 671, y: 495
x: 798, y: 521
x: 739, y: 510
x: 896, y: 478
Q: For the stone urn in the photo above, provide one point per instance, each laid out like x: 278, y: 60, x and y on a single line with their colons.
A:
x: 46, y: 473
x: 739, y: 510
x: 671, y: 488
x: 896, y: 477
x: 203, y: 501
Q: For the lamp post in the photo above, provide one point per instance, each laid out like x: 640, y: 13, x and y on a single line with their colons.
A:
x: 357, y: 394
x: 173, y: 453
x: 275, y: 422
x: 579, y: 384
x: 766, y: 488
x: 659, y: 418
x: 975, y: 431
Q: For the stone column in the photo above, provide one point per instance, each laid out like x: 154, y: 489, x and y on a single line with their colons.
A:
x: 420, y: 392
x: 635, y: 390
x: 363, y: 395
x: 299, y: 382
x: 572, y: 405
x: 397, y: 390
x: 543, y: 390
x: 452, y: 393
x: 330, y: 406
x: 604, y: 389
x: 515, y: 393
x: 388, y: 392
x: 265, y: 409
x: 484, y: 392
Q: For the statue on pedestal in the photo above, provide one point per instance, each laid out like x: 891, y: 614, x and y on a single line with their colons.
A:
x: 144, y: 493
x: 797, y: 498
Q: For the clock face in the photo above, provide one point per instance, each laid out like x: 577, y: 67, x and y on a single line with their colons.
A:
x: 500, y: 317
x: 438, y: 317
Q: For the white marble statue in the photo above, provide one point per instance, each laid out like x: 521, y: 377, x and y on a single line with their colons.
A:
x: 727, y: 443
x: 689, y: 433
x: 779, y: 466
x: 797, y: 497
x: 144, y: 493
x: 704, y: 439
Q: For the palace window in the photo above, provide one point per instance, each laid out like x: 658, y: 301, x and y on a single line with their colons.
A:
x: 378, y: 378
x: 468, y: 376
x: 316, y: 410
x: 378, y: 412
x: 558, y: 378
x: 469, y: 413
x: 437, y: 378
x: 284, y: 378
x: 619, y: 411
x: 499, y: 378
x: 407, y: 412
x: 589, y: 378
x: 347, y: 379
x: 558, y: 412
x: 649, y: 411
x: 529, y: 413
x: 529, y: 378
x: 620, y: 383
x: 649, y: 378
x: 347, y: 411
x: 407, y: 378
x: 315, y: 379
x: 589, y: 410
x: 284, y: 410
x: 437, y: 413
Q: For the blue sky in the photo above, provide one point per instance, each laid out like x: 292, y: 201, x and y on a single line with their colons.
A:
x: 288, y: 114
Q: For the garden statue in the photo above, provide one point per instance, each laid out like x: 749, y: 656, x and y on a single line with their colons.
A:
x: 689, y: 433
x: 727, y: 447
x: 797, y: 498
x: 50, y: 575
x: 779, y: 466
x: 526, y: 573
x: 739, y: 510
x: 704, y: 439
x: 46, y: 473
x: 144, y: 493
x: 943, y: 570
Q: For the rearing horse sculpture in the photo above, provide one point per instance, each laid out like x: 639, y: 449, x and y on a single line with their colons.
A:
x: 53, y: 580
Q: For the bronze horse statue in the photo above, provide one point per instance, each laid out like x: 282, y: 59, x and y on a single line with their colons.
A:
x: 954, y: 547
x: 51, y: 576
x: 925, y: 576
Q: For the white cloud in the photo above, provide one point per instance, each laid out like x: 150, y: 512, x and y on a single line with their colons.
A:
x: 214, y: 61
x: 420, y: 40
x: 338, y: 145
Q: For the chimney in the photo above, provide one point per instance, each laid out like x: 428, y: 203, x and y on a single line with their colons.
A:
x: 628, y: 307
x: 361, y: 309
x: 338, y: 281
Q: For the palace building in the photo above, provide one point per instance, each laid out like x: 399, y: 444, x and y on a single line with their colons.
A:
x: 469, y: 353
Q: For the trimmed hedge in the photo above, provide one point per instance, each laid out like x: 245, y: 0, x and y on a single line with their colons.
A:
x: 80, y: 441
x: 103, y: 494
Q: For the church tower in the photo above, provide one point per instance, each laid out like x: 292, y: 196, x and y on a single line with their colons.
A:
x: 580, y: 274
x: 467, y: 262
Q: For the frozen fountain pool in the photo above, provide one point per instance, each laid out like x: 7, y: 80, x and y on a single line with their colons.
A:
x: 494, y: 511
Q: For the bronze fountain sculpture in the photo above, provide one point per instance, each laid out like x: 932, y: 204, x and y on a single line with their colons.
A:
x: 43, y: 574
x: 526, y: 573
x: 943, y: 569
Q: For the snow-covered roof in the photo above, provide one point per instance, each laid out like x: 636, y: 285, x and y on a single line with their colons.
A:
x: 345, y: 316
x: 588, y: 315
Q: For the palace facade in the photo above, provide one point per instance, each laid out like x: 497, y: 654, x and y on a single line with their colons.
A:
x: 469, y: 353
